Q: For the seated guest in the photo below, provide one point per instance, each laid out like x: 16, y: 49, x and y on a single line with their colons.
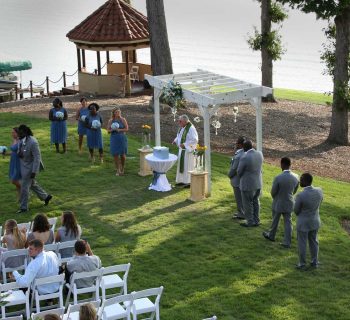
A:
x: 44, y: 264
x: 14, y: 238
x: 87, y: 312
x: 41, y: 230
x: 51, y: 316
x: 83, y: 260
x: 69, y: 231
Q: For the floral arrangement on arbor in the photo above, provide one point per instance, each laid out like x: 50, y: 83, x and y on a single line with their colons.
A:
x: 173, y: 96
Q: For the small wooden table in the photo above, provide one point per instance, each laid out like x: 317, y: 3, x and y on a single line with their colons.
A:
x: 145, y: 169
x: 199, y: 185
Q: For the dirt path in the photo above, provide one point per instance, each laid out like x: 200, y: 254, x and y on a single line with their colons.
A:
x: 290, y: 128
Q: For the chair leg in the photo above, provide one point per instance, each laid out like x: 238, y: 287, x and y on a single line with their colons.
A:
x: 68, y: 297
x: 37, y: 302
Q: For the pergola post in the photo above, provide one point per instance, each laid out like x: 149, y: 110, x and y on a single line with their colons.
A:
x: 256, y: 102
x: 156, y: 95
x: 206, y: 124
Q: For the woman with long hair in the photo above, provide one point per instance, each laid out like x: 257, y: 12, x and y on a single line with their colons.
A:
x: 70, y: 230
x: 58, y: 117
x: 15, y: 165
x: 117, y: 126
x: 41, y: 230
x: 80, y: 116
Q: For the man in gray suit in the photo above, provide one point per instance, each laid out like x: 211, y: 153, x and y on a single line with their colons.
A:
x: 234, y: 178
x: 249, y: 171
x: 284, y: 186
x: 30, y: 161
x: 307, y: 206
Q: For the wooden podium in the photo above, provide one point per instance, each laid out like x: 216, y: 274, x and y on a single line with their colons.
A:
x: 145, y: 169
x: 199, y: 185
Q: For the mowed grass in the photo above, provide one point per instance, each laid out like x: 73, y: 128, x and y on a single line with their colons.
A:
x: 305, y: 96
x: 206, y: 262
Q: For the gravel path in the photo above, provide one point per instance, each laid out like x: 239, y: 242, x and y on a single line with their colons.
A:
x: 290, y: 128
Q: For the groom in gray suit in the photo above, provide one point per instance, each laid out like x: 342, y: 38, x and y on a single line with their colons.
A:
x: 250, y: 173
x: 30, y: 162
x: 234, y: 178
x: 284, y: 186
x: 307, y: 206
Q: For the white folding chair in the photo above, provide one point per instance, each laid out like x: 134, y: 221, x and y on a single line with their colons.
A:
x: 51, y: 247
x: 93, y: 277
x: 16, y: 297
x: 13, y: 318
x: 37, y: 296
x: 73, y: 310
x: 111, y: 279
x: 12, y: 260
x: 52, y: 222
x: 143, y: 304
x: 134, y: 73
x: 116, y: 308
x: 64, y: 248
x: 40, y: 315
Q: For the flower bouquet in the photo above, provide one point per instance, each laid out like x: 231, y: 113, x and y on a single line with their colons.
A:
x: 172, y: 95
x: 146, y: 136
x: 199, y: 153
x: 96, y: 124
x: 83, y: 118
x: 115, y: 126
x: 59, y: 115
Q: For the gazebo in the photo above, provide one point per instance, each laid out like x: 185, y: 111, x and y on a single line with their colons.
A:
x: 115, y: 26
x: 209, y: 91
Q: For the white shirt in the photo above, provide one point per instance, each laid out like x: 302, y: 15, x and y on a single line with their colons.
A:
x: 191, y: 138
x: 45, y: 264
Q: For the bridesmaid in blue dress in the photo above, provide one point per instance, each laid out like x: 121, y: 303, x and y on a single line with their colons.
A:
x: 58, y: 117
x: 93, y: 124
x: 15, y: 167
x: 117, y: 126
x: 80, y: 116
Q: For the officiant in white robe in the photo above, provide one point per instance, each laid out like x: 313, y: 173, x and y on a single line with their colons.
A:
x: 186, y: 140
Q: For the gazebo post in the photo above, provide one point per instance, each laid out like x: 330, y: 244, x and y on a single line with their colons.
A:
x: 156, y: 95
x: 98, y: 63
x: 256, y: 102
x: 83, y: 56
x: 107, y: 56
x: 206, y: 126
x: 127, y: 82
x: 79, y: 59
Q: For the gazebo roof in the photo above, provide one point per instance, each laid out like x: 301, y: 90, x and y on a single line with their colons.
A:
x: 114, y: 23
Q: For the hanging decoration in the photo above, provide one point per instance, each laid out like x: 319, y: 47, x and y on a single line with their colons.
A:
x: 172, y: 95
x: 235, y: 113
x: 197, y: 119
x: 217, y: 125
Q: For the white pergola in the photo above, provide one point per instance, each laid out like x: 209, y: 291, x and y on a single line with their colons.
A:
x: 210, y: 90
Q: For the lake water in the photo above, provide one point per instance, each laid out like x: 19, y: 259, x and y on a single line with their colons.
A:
x: 203, y: 34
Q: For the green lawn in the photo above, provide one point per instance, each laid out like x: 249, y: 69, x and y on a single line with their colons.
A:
x: 206, y: 262
x: 305, y: 96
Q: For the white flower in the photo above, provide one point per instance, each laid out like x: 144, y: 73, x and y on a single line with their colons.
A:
x: 96, y: 124
x: 235, y: 110
x: 216, y: 124
x: 115, y: 126
x: 59, y: 115
x: 82, y: 118
x: 197, y: 119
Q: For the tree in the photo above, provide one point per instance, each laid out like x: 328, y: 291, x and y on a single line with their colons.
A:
x: 268, y: 41
x: 339, y: 12
x: 160, y: 51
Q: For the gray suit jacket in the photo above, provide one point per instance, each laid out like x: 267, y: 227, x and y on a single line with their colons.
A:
x: 30, y: 157
x: 284, y: 186
x: 249, y: 170
x: 307, y: 205
x: 232, y: 174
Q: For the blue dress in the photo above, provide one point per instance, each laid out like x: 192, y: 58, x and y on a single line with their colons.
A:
x: 15, y: 167
x: 81, y: 124
x: 58, y: 128
x: 94, y: 136
x: 118, y: 142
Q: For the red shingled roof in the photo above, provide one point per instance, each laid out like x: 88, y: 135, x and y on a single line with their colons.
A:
x: 114, y: 22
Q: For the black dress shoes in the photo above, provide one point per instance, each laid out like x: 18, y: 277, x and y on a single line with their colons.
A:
x: 301, y: 267
x: 267, y: 236
x: 286, y: 246
x: 21, y: 210
x: 47, y: 200
x: 247, y: 225
x: 236, y: 216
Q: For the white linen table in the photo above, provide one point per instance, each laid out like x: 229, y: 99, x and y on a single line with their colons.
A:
x: 160, y: 167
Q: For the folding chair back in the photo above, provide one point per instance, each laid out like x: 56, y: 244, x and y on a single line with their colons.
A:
x: 26, y: 225
x: 42, y: 314
x: 40, y: 283
x: 14, y: 297
x: 13, y: 318
x: 52, y: 222
x: 51, y: 247
x: 111, y: 279
x: 66, y: 250
x: 134, y: 73
x: 73, y: 309
x: 118, y: 307
x: 142, y: 303
x: 12, y: 260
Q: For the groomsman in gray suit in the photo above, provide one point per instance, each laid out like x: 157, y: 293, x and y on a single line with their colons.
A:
x: 234, y: 178
x: 307, y: 206
x: 284, y: 186
x: 30, y: 162
x: 250, y: 173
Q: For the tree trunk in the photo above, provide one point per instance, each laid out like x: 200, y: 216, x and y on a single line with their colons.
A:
x: 340, y: 121
x: 160, y: 50
x: 266, y: 59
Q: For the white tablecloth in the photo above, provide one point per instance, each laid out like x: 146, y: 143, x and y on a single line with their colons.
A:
x: 162, y: 167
